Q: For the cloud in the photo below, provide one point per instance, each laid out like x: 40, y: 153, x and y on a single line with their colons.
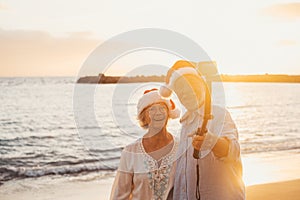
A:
x: 37, y: 53
x: 284, y: 43
x: 81, y: 34
x: 3, y: 7
x: 290, y: 11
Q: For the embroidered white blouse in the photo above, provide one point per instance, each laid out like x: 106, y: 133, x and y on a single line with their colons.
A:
x: 220, y: 178
x: 144, y: 176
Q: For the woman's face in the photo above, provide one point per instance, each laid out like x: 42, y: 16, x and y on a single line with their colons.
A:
x: 190, y: 92
x: 158, y: 115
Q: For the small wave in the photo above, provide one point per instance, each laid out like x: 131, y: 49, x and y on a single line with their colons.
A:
x: 244, y: 106
x: 34, y: 137
x: 10, y: 173
x: 250, y: 150
x: 89, y: 127
x: 41, y: 137
x: 8, y: 159
x: 67, y: 162
x: 106, y: 150
x: 5, y: 123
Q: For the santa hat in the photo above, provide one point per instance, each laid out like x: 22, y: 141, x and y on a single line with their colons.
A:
x: 151, y: 97
x: 179, y: 69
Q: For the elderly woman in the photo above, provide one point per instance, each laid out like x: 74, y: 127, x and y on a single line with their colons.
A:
x: 147, y: 166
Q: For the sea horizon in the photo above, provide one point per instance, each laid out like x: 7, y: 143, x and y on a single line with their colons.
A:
x: 73, y: 76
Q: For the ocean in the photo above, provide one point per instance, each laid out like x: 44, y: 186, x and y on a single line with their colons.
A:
x: 41, y: 137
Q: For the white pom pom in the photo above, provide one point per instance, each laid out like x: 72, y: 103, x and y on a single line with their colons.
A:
x: 165, y: 91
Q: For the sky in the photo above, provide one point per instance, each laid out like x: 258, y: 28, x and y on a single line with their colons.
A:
x: 54, y: 38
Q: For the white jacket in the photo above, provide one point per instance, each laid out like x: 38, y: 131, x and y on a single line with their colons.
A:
x: 220, y: 178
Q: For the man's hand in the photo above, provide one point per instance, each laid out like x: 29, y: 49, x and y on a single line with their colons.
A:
x: 197, y: 141
x: 220, y: 148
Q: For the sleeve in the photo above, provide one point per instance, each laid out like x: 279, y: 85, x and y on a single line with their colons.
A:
x: 123, y: 183
x: 230, y: 133
x: 122, y: 187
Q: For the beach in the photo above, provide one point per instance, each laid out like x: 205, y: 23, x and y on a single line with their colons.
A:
x: 95, y: 191
x: 280, y: 190
x: 281, y: 182
x: 73, y: 72
x: 101, y: 190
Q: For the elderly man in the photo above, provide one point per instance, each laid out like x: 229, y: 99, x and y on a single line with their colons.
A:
x: 219, y: 166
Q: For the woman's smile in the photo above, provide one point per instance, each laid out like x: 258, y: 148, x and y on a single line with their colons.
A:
x: 159, y: 118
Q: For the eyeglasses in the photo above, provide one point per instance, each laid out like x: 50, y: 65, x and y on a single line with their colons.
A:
x: 159, y: 107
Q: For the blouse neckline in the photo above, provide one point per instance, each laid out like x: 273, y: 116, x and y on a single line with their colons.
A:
x: 163, y: 157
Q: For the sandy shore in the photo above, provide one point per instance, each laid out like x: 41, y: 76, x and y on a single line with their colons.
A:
x: 93, y: 190
x: 283, y: 190
x: 100, y: 191
x: 271, y: 176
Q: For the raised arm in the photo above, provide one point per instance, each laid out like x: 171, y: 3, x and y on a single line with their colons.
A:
x: 227, y: 145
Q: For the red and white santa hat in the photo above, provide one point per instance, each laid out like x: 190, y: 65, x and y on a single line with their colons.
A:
x: 179, y: 69
x: 151, y: 97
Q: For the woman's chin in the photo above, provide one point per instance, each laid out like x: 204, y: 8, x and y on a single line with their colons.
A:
x: 159, y: 124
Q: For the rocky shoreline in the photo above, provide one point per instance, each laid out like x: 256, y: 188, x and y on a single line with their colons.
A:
x: 102, y: 79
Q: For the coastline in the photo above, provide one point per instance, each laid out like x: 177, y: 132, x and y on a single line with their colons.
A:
x: 66, y: 190
x: 268, y: 78
x: 96, y: 190
x: 271, y: 167
x: 275, y: 175
x: 272, y: 191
